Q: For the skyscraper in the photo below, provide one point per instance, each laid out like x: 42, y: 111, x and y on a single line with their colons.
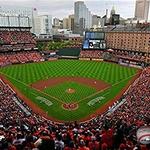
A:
x: 56, y: 22
x: 71, y: 22
x: 65, y: 23
x: 96, y: 20
x: 112, y: 11
x: 114, y: 18
x: 82, y: 17
x: 43, y: 24
x: 142, y: 9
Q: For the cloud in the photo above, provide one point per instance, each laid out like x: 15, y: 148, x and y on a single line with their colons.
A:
x: 62, y: 8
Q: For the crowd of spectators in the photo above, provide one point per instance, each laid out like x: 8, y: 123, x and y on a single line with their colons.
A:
x: 91, y: 54
x: 131, y: 55
x: 118, y: 54
x: 17, y: 47
x: 19, y: 57
x: 112, y: 130
x: 10, y: 40
x: 16, y: 37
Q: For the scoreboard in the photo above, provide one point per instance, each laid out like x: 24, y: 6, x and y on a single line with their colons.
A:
x: 95, y: 35
x: 94, y: 40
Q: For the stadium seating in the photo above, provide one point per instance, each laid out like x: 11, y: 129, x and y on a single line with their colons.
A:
x: 91, y: 54
x: 10, y: 40
x: 19, y: 37
x: 20, y: 57
x: 121, y: 54
x: 22, y: 129
x: 130, y: 55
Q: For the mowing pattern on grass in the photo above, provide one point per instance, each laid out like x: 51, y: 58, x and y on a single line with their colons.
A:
x: 59, y: 91
x: 22, y: 76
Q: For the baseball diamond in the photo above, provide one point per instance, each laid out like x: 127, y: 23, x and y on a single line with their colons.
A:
x: 69, y: 85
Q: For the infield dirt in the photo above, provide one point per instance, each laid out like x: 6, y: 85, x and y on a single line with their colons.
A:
x: 96, y: 84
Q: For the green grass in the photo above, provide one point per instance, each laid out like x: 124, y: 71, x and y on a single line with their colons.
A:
x: 24, y: 75
x: 59, y: 91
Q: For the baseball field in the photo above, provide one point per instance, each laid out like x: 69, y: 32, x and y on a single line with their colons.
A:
x: 68, y: 90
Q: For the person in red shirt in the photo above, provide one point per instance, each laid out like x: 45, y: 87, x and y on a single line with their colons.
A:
x: 122, y: 146
x: 82, y: 145
x: 104, y: 146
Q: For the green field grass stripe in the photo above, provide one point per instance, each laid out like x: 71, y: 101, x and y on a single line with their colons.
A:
x: 36, y: 89
x: 93, y: 94
x: 24, y: 75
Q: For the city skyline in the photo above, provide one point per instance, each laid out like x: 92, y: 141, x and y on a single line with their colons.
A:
x: 66, y: 7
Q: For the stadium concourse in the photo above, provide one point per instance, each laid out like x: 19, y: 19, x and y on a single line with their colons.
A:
x: 22, y: 129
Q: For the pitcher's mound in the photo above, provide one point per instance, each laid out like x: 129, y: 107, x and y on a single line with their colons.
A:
x: 70, y: 91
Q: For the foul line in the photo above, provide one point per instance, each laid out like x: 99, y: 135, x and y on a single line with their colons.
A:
x: 34, y: 88
x: 61, y: 101
x: 105, y: 89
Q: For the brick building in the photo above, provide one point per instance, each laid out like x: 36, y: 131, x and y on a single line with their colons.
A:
x: 129, y: 40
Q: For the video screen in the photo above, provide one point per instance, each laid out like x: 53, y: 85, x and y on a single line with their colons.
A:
x: 94, y: 44
x: 94, y: 40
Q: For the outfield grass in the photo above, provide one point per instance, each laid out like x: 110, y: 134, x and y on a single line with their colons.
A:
x: 24, y: 75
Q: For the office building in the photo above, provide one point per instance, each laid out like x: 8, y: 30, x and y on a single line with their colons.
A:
x: 82, y: 17
x: 65, y: 23
x: 71, y: 22
x: 142, y: 9
x: 96, y: 20
x: 112, y: 12
x: 43, y: 24
x: 115, y: 19
x: 131, y: 40
x: 57, y: 23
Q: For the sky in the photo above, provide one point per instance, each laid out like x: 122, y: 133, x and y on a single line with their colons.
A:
x: 63, y: 8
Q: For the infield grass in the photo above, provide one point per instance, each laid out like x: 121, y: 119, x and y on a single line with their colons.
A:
x: 59, y: 91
